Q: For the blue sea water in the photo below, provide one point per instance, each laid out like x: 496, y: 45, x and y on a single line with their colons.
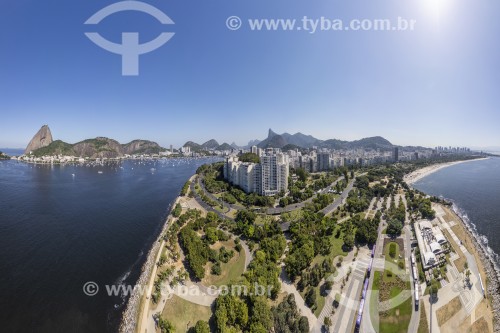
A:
x: 474, y: 188
x: 12, y: 152
x: 64, y: 225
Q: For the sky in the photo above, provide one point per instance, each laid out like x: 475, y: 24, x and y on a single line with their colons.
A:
x: 435, y: 85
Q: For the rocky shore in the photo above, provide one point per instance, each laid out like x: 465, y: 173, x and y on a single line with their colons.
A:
x: 131, y: 313
x: 490, y: 268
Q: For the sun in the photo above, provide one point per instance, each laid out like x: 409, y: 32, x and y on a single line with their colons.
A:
x: 436, y: 7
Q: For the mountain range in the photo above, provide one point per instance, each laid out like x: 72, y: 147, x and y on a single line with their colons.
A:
x: 100, y: 147
x: 299, y: 141
x: 209, y: 145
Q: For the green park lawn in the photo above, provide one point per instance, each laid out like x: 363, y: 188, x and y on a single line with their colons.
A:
x: 184, y: 314
x: 231, y: 271
x: 397, y: 318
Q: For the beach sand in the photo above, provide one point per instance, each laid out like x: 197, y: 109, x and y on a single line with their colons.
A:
x: 416, y: 175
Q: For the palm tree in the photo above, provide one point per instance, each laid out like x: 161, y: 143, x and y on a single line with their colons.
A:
x: 467, y: 276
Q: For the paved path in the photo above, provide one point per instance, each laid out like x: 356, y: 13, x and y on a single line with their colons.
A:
x: 288, y: 287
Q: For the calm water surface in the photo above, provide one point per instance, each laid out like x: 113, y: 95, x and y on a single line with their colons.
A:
x: 61, y: 226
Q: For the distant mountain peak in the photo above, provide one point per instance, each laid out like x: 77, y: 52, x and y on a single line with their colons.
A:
x: 42, y: 139
x: 253, y: 142
x: 225, y: 146
x: 210, y: 144
x: 271, y: 133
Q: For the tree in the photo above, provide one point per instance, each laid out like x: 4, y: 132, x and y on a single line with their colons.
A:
x: 299, y: 258
x: 261, y: 316
x: 249, y: 157
x: 310, y: 300
x: 165, y: 326
x: 216, y: 269
x: 211, y: 234
x: 394, y: 227
x: 303, y: 325
x: 287, y: 318
x: 434, y: 288
x: 230, y: 311
x: 327, y: 322
x: 202, y: 327
x: 302, y: 174
x: 177, y: 210
x: 467, y: 276
x: 349, y: 240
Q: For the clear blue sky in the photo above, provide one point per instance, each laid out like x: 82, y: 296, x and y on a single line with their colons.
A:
x: 437, y: 85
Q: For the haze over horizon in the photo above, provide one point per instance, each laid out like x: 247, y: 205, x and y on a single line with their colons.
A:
x: 437, y: 85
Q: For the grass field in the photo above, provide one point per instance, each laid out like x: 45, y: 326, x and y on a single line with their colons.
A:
x: 230, y: 271
x: 397, y: 318
x: 377, y: 277
x: 183, y: 314
x: 391, y: 264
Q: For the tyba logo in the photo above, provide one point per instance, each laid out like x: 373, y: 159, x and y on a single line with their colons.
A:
x: 130, y: 49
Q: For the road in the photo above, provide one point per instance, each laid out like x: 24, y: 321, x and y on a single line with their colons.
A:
x: 213, y: 197
x: 330, y: 208
x: 270, y: 211
x: 205, y: 206
x: 289, y: 208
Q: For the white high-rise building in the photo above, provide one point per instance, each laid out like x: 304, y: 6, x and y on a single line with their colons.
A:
x: 269, y: 177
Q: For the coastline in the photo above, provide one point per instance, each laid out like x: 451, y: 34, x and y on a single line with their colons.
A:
x: 485, y: 254
x: 130, y: 322
x: 490, y: 266
x: 418, y: 174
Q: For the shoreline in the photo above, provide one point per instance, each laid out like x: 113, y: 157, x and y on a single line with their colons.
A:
x: 485, y: 253
x: 421, y: 173
x: 130, y: 320
x: 491, y: 268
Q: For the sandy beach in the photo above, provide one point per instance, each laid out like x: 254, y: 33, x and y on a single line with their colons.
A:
x: 416, y: 175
